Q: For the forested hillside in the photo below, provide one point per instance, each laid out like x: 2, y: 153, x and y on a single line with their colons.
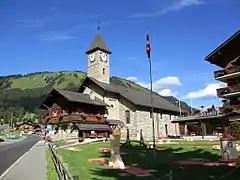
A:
x: 20, y: 95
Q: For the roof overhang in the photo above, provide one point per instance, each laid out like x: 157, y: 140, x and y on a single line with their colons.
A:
x: 115, y: 122
x: 93, y: 127
x: 197, y: 118
x: 226, y: 52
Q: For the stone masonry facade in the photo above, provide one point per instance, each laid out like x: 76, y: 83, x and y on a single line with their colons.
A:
x: 138, y: 119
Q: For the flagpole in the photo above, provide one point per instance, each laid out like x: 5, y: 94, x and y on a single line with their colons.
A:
x: 151, y: 89
x: 148, y: 51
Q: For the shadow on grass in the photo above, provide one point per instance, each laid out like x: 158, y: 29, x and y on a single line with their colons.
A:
x: 164, y: 164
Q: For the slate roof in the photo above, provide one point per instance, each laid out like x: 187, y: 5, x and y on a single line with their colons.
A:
x: 73, y: 97
x: 137, y: 97
x: 79, y: 97
x: 98, y: 44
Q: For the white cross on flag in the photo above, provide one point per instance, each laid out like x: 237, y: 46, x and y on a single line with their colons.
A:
x: 148, y: 48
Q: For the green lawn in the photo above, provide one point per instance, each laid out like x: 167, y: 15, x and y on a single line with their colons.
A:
x: 143, y: 158
x: 51, y: 172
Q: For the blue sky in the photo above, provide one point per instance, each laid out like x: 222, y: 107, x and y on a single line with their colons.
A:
x: 52, y: 35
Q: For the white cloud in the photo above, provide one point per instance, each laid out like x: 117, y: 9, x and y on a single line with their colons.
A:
x: 176, y: 6
x: 166, y: 82
x: 132, y: 78
x: 167, y: 92
x: 54, y: 36
x: 161, y: 85
x: 208, y: 92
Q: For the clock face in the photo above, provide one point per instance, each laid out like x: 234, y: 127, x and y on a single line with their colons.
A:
x: 103, y: 56
x: 91, y: 57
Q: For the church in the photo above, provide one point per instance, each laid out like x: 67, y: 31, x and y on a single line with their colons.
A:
x: 130, y: 106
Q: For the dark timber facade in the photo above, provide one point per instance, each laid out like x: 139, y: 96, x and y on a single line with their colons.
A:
x: 227, y: 57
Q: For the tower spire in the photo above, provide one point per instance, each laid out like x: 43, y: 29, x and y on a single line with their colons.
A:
x: 98, y: 43
x: 98, y: 27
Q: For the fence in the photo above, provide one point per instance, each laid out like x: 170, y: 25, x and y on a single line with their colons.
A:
x: 61, y: 168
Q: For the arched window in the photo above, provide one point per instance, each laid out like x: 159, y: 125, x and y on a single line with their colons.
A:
x: 103, y: 71
x: 127, y: 115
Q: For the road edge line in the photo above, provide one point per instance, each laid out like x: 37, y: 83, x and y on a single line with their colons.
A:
x: 17, y: 161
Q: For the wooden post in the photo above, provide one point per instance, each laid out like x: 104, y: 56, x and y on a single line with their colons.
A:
x: 141, y: 138
x: 182, y: 129
x: 128, y: 138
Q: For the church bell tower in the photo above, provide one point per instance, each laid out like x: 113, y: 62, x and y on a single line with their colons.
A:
x: 98, y: 60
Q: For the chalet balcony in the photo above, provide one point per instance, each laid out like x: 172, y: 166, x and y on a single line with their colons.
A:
x: 229, y: 108
x: 75, y: 117
x: 229, y: 91
x: 226, y: 74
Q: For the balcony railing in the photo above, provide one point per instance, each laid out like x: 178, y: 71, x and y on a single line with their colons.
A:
x: 200, y: 115
x: 66, y: 117
x: 229, y: 108
x: 228, y: 91
x: 226, y: 72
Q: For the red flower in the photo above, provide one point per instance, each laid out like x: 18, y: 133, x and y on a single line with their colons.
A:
x: 99, y: 116
x: 83, y: 115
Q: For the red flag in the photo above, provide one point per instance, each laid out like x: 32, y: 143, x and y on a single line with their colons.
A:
x: 148, y: 48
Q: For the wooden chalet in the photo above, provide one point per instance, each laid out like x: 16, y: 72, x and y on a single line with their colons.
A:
x: 27, y: 126
x: 69, y: 110
x: 227, y: 57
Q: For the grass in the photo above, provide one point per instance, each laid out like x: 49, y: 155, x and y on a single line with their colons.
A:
x: 51, y: 173
x: 143, y: 158
x: 30, y: 82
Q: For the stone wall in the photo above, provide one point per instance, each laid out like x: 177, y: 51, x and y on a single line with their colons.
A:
x: 123, y: 106
x: 139, y: 119
x: 162, y: 124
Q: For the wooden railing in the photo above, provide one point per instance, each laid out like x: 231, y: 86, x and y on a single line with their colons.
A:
x: 224, y: 72
x: 227, y: 90
x: 61, y: 168
x: 230, y: 108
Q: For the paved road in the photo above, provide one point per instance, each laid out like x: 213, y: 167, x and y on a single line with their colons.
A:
x: 9, y: 153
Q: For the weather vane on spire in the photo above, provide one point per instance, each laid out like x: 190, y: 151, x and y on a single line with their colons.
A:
x: 98, y: 27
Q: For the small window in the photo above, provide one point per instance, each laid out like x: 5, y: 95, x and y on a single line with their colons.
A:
x: 150, y: 115
x: 127, y: 114
x: 170, y: 117
x: 111, y: 106
x: 161, y: 116
x: 103, y: 71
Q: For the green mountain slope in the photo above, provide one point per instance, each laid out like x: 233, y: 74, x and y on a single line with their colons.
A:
x: 21, y: 94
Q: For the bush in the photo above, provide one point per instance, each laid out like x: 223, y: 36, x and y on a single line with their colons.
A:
x: 234, y: 129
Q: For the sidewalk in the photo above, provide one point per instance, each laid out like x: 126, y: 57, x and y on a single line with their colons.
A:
x: 31, y: 166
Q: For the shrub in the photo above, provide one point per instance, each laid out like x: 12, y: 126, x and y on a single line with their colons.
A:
x: 234, y: 129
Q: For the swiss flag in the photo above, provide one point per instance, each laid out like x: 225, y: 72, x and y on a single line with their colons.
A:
x: 148, y: 48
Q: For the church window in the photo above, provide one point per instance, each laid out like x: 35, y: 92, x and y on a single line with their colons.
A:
x: 161, y: 116
x: 103, y: 71
x: 111, y: 106
x: 151, y: 115
x: 127, y: 114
